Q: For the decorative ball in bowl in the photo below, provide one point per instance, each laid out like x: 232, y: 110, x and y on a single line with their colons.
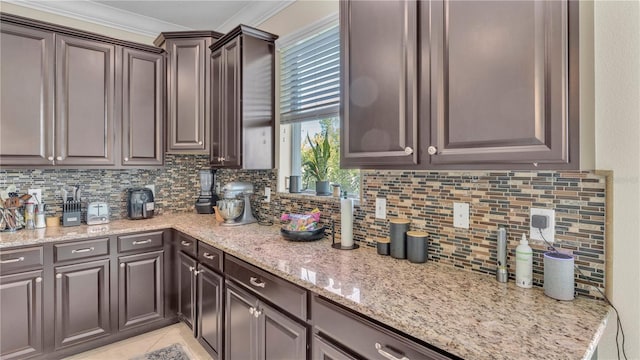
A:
x: 230, y: 209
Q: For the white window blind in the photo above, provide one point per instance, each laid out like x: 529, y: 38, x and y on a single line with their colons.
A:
x: 310, y: 77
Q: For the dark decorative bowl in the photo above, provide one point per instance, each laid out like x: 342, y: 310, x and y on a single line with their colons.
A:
x: 312, y: 235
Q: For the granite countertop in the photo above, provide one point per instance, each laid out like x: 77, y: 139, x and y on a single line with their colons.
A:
x: 462, y: 312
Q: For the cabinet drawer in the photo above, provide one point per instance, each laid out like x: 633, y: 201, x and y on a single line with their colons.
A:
x: 81, y: 249
x: 280, y: 292
x: 210, y: 256
x: 20, y: 259
x: 137, y: 242
x: 186, y: 243
x: 363, y: 337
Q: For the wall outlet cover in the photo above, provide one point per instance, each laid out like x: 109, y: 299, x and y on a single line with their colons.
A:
x: 461, y: 215
x: 267, y: 194
x: 381, y: 208
x: 548, y: 232
x: 37, y: 193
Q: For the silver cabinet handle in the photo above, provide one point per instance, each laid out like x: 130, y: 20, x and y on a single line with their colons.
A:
x: 185, y: 243
x: 257, y: 313
x: 251, y: 310
x: 209, y: 256
x: 200, y: 142
x: 387, y: 355
x: 408, y: 150
x: 140, y: 242
x: 38, y: 279
x: 50, y: 158
x: 122, y: 265
x: 195, y: 273
x: 432, y: 150
x: 191, y: 268
x: 59, y: 158
x: 254, y: 282
x: 58, y: 276
x: 14, y: 260
x: 126, y: 159
x: 74, y: 251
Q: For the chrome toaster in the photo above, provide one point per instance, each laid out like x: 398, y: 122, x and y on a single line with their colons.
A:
x: 97, y: 213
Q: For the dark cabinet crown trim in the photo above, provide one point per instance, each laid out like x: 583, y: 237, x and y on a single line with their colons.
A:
x: 164, y: 36
x: 64, y: 30
x: 240, y: 30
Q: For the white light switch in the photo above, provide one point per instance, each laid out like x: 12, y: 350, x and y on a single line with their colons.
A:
x: 461, y: 215
x: 381, y: 208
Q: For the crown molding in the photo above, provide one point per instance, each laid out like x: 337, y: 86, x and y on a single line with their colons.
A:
x: 254, y: 14
x: 105, y: 15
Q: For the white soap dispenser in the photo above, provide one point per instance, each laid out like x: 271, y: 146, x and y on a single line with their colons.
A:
x: 524, y: 264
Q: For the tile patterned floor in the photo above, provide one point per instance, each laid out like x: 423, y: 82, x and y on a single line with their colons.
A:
x: 136, y: 346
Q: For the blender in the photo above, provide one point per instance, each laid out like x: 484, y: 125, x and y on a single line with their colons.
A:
x: 207, y: 199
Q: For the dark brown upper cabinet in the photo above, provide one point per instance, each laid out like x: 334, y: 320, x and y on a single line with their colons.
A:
x: 188, y: 88
x: 379, y: 83
x: 85, y: 86
x: 108, y: 96
x: 142, y: 108
x: 496, y: 85
x: 242, y: 98
x: 26, y: 77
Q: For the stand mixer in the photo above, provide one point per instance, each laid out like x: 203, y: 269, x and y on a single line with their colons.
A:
x: 232, y: 208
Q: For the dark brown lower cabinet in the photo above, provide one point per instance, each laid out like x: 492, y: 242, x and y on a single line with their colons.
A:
x: 186, y: 289
x: 257, y: 331
x: 210, y: 310
x: 21, y: 320
x: 323, y: 350
x: 141, y: 289
x: 82, y: 302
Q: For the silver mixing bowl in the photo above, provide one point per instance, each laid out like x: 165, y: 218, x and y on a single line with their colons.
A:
x: 230, y: 209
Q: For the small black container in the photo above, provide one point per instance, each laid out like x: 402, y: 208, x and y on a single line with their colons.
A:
x: 383, y: 247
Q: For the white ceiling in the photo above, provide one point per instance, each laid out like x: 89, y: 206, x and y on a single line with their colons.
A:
x: 150, y: 17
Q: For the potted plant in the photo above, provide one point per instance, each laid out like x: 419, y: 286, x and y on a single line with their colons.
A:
x: 317, y: 165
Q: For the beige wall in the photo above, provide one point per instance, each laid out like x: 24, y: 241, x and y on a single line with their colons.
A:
x: 74, y: 23
x: 617, y: 113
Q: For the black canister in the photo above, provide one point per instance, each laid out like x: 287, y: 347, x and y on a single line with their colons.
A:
x: 383, y: 246
x: 398, y: 235
x: 417, y: 246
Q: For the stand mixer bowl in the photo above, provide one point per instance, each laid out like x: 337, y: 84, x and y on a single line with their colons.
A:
x: 230, y: 209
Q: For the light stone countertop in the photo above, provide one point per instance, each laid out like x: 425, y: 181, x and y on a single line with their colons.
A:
x: 462, y: 312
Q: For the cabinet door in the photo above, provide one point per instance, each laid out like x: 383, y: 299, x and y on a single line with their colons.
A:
x: 217, y: 108
x: 499, y: 81
x: 186, y: 289
x: 142, y: 108
x: 82, y: 303
x: 141, y: 289
x: 21, y: 315
x: 241, y: 337
x: 322, y: 350
x: 379, y: 119
x: 85, y: 84
x: 231, y: 113
x: 280, y: 337
x: 26, y: 90
x: 187, y: 93
x: 210, y: 310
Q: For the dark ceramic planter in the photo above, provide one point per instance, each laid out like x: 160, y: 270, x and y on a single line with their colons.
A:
x: 323, y: 188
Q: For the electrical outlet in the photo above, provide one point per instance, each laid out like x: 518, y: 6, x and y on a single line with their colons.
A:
x: 267, y: 194
x: 461, y: 215
x: 153, y: 189
x: 381, y: 208
x: 549, y: 231
x: 36, y: 193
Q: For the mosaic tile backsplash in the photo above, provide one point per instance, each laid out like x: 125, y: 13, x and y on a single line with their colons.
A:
x: 426, y: 198
x: 495, y: 198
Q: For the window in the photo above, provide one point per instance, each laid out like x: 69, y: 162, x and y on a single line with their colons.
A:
x: 310, y: 104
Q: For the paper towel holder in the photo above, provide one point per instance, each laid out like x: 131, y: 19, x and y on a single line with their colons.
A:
x: 339, y: 245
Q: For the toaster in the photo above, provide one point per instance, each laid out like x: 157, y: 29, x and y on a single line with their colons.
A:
x: 97, y: 213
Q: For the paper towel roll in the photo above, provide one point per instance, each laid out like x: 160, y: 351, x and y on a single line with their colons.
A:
x: 346, y: 223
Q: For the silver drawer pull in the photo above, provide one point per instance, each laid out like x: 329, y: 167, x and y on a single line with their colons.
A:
x: 251, y: 310
x: 254, y: 282
x: 195, y: 273
x: 75, y: 251
x: 140, y: 242
x: 191, y: 268
x: 382, y: 352
x: 15, y: 260
x: 209, y: 256
x: 185, y: 243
